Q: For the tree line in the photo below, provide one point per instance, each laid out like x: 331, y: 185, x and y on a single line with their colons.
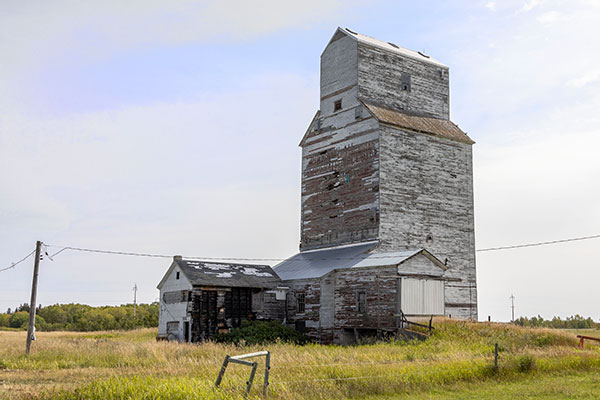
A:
x: 83, y: 318
x: 572, y: 322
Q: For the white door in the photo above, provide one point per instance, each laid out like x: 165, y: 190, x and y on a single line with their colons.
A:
x: 422, y: 297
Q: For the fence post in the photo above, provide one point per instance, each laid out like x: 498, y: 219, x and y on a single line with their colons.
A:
x: 496, y: 357
x: 267, y: 368
x: 249, y: 383
x: 222, y: 372
x: 239, y: 359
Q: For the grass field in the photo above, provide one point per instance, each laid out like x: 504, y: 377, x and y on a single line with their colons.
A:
x: 456, y: 362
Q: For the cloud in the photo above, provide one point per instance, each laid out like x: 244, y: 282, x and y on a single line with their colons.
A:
x: 38, y: 29
x: 587, y: 78
x: 531, y: 4
x: 549, y: 17
x: 491, y: 6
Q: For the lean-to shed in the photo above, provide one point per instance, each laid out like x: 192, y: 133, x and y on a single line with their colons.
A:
x: 201, y: 298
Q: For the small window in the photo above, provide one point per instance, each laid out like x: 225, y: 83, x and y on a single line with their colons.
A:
x: 172, y: 326
x: 405, y: 82
x: 362, y: 302
x: 300, y: 302
x: 177, y: 275
x: 337, y: 105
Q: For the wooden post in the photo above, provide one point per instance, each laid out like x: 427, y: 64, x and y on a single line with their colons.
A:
x: 398, y: 303
x: 249, y: 383
x: 222, y: 372
x: 377, y: 310
x: 496, y: 357
x: 31, y: 326
x: 134, y: 300
x: 267, y: 369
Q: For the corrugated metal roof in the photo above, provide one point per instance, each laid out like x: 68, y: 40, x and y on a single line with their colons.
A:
x: 317, y: 263
x: 433, y: 126
x: 392, y: 47
x: 228, y: 275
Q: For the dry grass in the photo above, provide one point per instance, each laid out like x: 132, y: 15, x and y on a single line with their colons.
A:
x: 131, y: 365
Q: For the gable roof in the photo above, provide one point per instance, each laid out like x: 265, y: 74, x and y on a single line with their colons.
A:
x: 388, y: 46
x: 208, y: 273
x: 432, y: 126
x: 317, y: 263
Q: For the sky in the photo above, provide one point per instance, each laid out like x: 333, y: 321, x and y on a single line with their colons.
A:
x: 173, y: 128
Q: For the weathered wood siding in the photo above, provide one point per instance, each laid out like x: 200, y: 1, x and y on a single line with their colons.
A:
x: 340, y: 158
x: 379, y: 81
x: 426, y: 200
x: 380, y: 295
x: 311, y: 289
x: 266, y: 306
x: 173, y: 311
x: 340, y: 198
x: 420, y: 264
x: 339, y: 74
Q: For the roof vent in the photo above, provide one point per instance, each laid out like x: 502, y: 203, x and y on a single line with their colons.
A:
x: 423, y: 54
x: 351, y: 31
x: 393, y: 45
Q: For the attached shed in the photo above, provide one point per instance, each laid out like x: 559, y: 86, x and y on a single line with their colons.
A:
x: 336, y: 292
x: 201, y: 298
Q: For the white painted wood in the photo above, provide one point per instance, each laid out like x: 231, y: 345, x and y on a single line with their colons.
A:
x: 173, y: 311
x: 422, y: 297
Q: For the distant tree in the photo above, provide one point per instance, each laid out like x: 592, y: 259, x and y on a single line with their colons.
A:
x: 18, y: 318
x: 8, y: 311
x: 4, y: 320
x: 23, y: 307
x: 573, y: 322
x: 81, y: 317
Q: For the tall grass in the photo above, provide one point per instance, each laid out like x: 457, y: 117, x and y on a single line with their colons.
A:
x: 131, y: 365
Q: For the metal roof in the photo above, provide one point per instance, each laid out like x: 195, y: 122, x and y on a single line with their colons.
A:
x: 392, y: 47
x: 228, y: 275
x: 433, y: 126
x: 317, y: 263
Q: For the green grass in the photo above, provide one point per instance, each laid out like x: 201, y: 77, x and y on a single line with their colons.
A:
x: 132, y: 365
x: 586, y: 332
x: 574, y: 385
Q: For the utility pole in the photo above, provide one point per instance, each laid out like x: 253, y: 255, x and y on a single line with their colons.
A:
x: 134, y: 299
x: 36, y: 268
x: 512, y: 300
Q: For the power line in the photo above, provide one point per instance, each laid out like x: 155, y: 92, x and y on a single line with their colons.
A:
x: 518, y: 246
x: 135, y: 254
x: 18, y: 262
x: 63, y: 248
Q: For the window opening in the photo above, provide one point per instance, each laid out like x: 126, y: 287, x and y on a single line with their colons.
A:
x: 172, y: 326
x: 405, y: 82
x: 337, y: 105
x: 362, y: 302
x: 300, y: 302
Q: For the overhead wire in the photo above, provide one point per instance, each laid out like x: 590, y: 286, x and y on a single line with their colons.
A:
x: 128, y: 253
x: 18, y: 262
x: 518, y: 246
x: 151, y: 255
